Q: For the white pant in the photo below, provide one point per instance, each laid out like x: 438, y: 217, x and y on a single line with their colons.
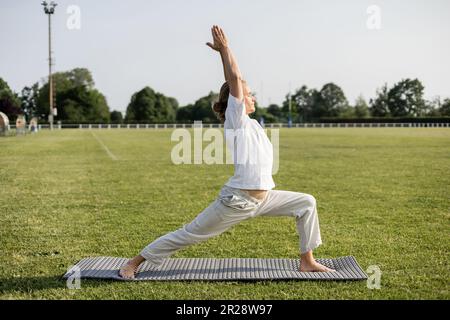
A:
x: 233, y: 206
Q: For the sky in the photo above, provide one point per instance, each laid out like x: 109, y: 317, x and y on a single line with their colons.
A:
x: 279, y: 45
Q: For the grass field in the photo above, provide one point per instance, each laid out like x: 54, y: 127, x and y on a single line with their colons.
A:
x: 382, y: 194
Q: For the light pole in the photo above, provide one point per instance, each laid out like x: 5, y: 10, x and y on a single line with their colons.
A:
x: 290, y: 115
x: 49, y: 9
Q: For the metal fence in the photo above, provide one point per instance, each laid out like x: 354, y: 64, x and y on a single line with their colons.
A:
x: 217, y: 125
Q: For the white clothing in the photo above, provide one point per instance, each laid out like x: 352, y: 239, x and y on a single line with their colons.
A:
x: 233, y: 206
x: 251, y: 148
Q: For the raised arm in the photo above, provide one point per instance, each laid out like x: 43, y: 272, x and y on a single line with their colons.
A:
x: 230, y: 66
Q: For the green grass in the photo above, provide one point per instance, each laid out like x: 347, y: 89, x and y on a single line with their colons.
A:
x: 382, y: 194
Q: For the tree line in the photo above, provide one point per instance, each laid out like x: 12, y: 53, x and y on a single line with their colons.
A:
x: 78, y: 101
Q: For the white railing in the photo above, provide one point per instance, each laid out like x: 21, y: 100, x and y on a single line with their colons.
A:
x: 267, y: 125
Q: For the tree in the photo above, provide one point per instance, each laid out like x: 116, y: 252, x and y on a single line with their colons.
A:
x: 265, y: 114
x: 116, y: 117
x: 285, y: 111
x: 80, y: 77
x: 173, y: 102
x: 185, y: 114
x: 76, y: 99
x: 330, y: 102
x: 275, y: 111
x: 303, y: 102
x: 200, y: 110
x: 445, y: 107
x: 406, y: 98
x: 29, y: 100
x: 9, y: 102
x: 96, y: 108
x: 347, y: 112
x: 379, y: 107
x: 432, y: 107
x: 150, y: 106
x: 361, y: 109
x: 80, y: 104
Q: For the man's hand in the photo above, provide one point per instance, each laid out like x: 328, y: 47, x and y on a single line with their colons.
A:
x: 219, y: 39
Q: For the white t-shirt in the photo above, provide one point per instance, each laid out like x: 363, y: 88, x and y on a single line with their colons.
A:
x: 251, y: 149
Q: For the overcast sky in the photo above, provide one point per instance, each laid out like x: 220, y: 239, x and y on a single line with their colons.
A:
x: 278, y: 44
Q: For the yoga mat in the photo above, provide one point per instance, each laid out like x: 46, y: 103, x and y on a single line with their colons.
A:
x: 253, y: 269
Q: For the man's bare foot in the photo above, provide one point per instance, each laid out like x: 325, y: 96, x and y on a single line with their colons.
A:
x: 309, y: 264
x: 128, y: 270
x: 314, y: 267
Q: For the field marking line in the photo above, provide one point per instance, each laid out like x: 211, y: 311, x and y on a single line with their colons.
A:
x: 104, y: 147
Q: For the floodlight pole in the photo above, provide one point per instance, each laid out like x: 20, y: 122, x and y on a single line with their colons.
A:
x: 50, y: 78
x: 290, y: 115
x: 49, y: 9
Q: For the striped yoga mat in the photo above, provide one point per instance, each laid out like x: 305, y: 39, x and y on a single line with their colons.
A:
x: 253, y: 269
